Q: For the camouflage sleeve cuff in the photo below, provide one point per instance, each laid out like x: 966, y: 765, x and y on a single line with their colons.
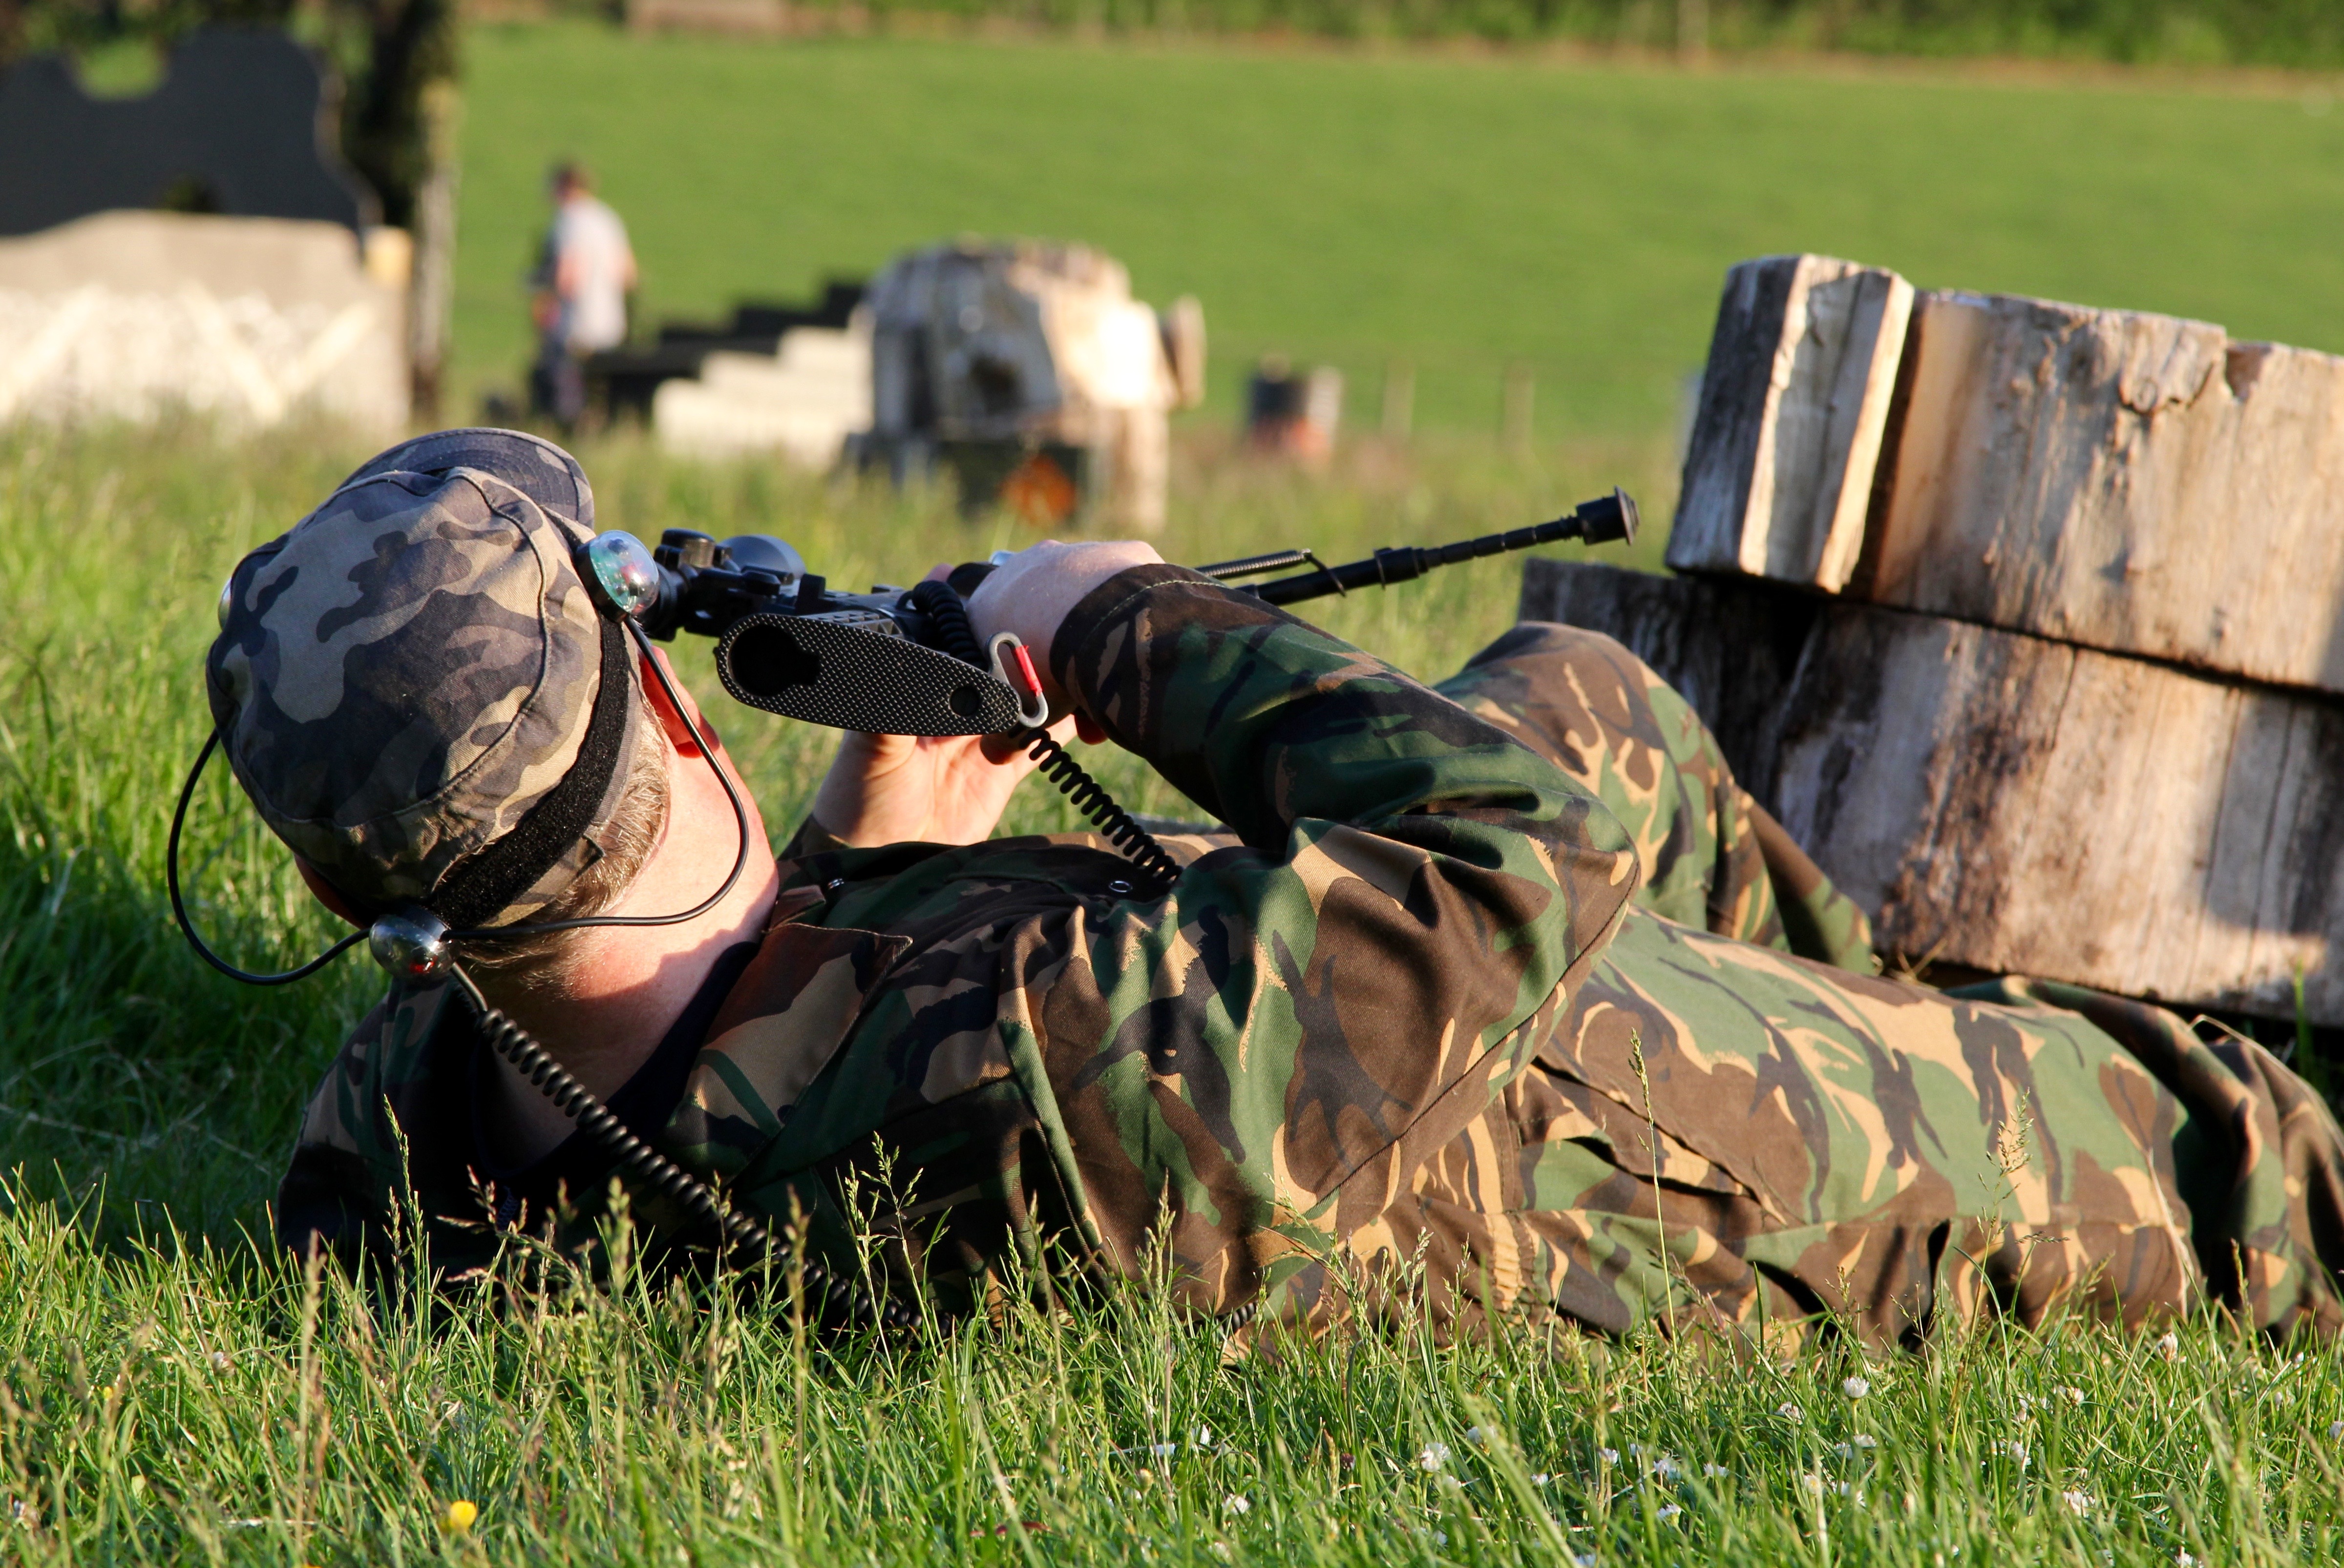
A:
x: 1116, y: 601
x: 1119, y: 638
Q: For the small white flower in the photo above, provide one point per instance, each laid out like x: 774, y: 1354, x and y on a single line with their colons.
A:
x: 2017, y: 1451
x: 1434, y: 1456
x: 1202, y: 1437
x: 2170, y: 1347
x: 221, y: 1362
x: 1855, y: 1387
x: 1813, y: 1483
x: 1148, y: 1450
x: 1789, y: 1411
x: 1715, y: 1471
x: 2072, y: 1395
x: 1221, y: 1549
x: 2078, y: 1503
x: 1842, y: 1450
x: 2182, y: 1559
x: 1236, y: 1504
x: 1666, y: 1468
x: 1440, y: 1537
x: 1608, y: 1456
x: 1669, y: 1511
x: 1540, y: 1478
x: 1865, y: 1440
x: 1480, y: 1436
x: 1584, y: 1560
x: 2335, y: 1431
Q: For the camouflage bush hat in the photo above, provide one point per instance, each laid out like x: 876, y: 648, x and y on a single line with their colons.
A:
x: 415, y: 689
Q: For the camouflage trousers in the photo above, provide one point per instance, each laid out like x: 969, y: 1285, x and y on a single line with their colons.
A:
x: 1736, y: 1125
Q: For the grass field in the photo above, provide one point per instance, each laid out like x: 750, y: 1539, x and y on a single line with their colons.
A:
x: 169, y: 1392
x: 1458, y: 213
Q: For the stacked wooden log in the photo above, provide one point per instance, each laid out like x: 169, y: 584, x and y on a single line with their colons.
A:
x: 2027, y: 619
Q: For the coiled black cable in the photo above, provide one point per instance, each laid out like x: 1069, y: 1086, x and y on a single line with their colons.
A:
x: 737, y: 1230
x: 1090, y: 797
x: 948, y: 619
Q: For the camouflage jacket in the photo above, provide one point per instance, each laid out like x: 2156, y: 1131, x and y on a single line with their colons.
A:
x: 1000, y: 1050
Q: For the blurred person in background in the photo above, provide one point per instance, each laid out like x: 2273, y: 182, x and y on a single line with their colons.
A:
x: 585, y: 271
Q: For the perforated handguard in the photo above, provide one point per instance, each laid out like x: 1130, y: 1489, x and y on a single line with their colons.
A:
x: 850, y: 670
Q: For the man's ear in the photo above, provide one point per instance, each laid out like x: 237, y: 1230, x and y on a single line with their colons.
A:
x: 678, y: 729
x: 326, y: 893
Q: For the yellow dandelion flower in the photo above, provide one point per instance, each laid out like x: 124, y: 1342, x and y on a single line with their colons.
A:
x: 460, y: 1516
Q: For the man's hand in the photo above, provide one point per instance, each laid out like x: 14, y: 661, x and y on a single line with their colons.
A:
x: 898, y: 789
x: 1033, y: 592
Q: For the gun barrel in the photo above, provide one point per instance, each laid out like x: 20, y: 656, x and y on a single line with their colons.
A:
x: 1600, y: 521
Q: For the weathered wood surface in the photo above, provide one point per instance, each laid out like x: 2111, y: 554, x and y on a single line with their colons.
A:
x: 1802, y: 366
x: 2016, y: 804
x: 2129, y: 482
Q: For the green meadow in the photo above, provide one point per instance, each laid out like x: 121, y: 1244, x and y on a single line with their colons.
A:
x: 1458, y: 213
x: 171, y: 1392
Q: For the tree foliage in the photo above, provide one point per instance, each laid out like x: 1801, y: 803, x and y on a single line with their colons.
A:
x: 386, y: 54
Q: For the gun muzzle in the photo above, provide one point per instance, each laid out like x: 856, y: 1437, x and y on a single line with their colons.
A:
x: 1607, y: 519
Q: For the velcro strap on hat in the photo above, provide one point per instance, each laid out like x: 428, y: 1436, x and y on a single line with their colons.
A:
x: 476, y: 890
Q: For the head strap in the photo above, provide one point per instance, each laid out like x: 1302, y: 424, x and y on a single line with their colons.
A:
x: 476, y: 890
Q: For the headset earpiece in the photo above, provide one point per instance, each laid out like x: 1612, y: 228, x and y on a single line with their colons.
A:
x: 410, y: 943
x: 621, y: 574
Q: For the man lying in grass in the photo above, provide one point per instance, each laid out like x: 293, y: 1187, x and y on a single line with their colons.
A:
x: 1494, y: 995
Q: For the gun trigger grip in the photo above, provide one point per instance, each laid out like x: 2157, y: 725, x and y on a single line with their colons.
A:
x: 1013, y: 668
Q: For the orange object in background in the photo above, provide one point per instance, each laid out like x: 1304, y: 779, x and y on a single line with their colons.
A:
x: 1294, y: 414
x: 1039, y: 491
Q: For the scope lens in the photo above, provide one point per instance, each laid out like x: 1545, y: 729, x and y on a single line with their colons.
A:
x: 621, y: 571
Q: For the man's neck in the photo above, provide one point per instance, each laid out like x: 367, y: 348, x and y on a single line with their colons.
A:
x: 626, y: 985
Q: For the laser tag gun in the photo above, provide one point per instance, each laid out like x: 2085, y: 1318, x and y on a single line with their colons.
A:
x: 905, y: 661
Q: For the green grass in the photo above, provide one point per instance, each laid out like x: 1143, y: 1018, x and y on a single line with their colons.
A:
x: 197, y: 1410
x: 170, y: 1393
x: 1458, y: 212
